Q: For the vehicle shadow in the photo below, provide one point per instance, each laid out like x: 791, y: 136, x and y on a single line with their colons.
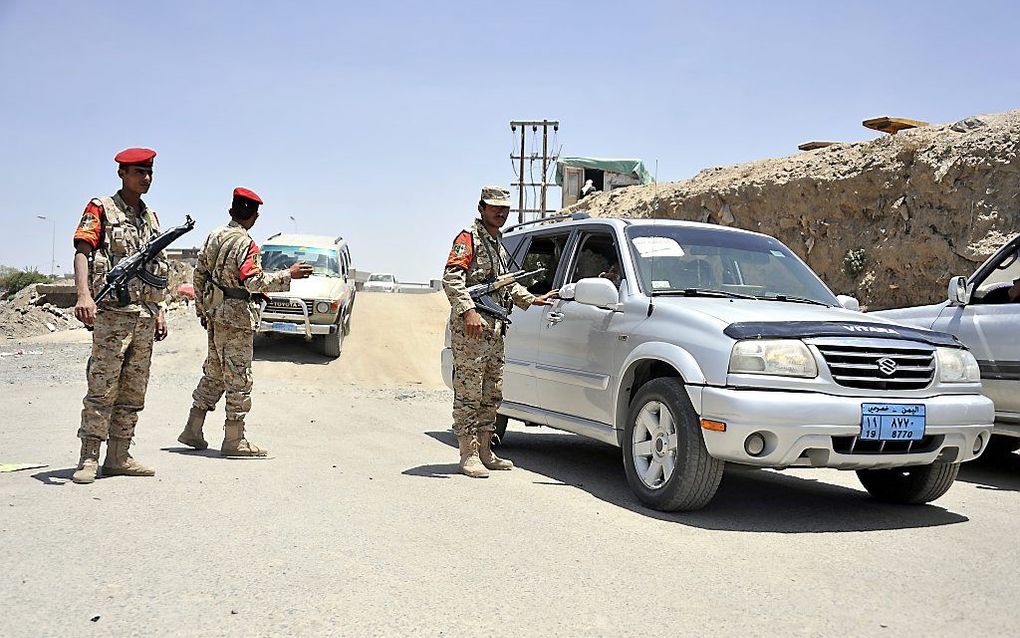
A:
x: 1000, y: 473
x: 288, y: 349
x: 748, y: 500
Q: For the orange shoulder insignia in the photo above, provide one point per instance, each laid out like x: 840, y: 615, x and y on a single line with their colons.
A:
x: 462, y: 253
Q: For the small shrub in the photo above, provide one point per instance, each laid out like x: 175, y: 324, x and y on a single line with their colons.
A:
x: 14, y: 282
x: 854, y: 262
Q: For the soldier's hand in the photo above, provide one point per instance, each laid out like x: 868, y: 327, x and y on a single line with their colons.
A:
x: 544, y: 300
x: 161, y: 329
x: 300, y: 270
x: 473, y: 324
x: 85, y: 310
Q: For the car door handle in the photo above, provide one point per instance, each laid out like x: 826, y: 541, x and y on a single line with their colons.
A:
x: 554, y: 317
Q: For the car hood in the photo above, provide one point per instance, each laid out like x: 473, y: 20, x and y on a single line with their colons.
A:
x: 728, y: 311
x: 315, y: 287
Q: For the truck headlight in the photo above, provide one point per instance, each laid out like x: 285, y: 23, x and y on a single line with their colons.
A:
x: 322, y: 307
x: 782, y: 357
x: 957, y: 365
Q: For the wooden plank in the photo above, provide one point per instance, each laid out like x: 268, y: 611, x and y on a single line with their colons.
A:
x: 892, y: 125
x: 811, y: 146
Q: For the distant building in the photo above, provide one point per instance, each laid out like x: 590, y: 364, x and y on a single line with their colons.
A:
x: 605, y: 175
x: 186, y: 255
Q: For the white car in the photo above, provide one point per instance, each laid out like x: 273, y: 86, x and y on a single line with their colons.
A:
x: 319, y: 307
x: 985, y: 316
x: 380, y: 282
x: 692, y: 345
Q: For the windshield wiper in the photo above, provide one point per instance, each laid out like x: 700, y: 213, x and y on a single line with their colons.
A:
x: 703, y: 292
x: 792, y: 299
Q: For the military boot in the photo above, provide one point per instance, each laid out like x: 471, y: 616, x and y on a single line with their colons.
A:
x: 88, y: 464
x: 234, y: 443
x: 192, y: 434
x: 487, y: 456
x: 119, y: 462
x: 470, y: 464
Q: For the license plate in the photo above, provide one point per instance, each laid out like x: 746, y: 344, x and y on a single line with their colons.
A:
x: 283, y: 326
x: 892, y: 421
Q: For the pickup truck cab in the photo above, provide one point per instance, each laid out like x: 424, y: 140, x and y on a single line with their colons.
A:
x: 693, y: 345
x: 319, y: 307
x: 983, y: 311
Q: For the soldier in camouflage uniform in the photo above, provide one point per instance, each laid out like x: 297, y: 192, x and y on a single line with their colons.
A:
x: 111, y: 229
x: 228, y: 282
x: 478, y: 256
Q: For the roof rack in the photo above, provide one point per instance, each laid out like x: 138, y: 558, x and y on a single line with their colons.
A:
x: 556, y: 218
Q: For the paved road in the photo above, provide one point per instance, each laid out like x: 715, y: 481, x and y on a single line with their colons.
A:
x: 360, y: 525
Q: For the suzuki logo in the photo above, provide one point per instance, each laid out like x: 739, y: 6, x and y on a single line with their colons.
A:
x: 887, y: 366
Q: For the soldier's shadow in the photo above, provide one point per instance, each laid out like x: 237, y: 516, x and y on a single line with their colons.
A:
x: 187, y: 451
x: 437, y: 470
x: 55, y: 477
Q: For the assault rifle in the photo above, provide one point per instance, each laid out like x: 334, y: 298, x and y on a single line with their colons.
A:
x: 133, y: 267
x: 482, y: 293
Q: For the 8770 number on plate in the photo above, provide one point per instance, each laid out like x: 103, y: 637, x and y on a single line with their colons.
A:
x: 892, y: 422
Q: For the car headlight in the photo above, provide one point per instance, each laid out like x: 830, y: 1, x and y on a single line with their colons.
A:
x: 957, y: 365
x: 782, y: 357
x: 322, y: 307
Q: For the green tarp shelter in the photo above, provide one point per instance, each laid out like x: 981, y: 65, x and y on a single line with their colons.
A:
x: 633, y: 167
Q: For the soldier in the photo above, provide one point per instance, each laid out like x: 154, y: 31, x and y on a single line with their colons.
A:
x: 228, y: 284
x: 111, y: 229
x: 478, y: 255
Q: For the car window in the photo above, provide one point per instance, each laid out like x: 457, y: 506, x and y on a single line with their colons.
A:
x: 994, y: 287
x: 545, y: 251
x: 513, y: 245
x: 597, y: 257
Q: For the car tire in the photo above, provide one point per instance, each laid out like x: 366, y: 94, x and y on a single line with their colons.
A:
x: 1000, y: 447
x: 912, y: 485
x: 661, y: 417
x: 333, y: 343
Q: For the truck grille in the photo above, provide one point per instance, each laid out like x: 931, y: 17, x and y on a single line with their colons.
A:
x: 879, y: 368
x: 280, y: 307
x: 853, y: 445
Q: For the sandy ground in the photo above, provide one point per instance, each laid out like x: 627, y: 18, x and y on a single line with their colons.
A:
x: 359, y: 524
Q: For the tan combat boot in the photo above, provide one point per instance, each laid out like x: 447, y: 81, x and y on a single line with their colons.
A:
x: 88, y: 464
x: 485, y: 453
x: 234, y: 443
x: 192, y: 434
x: 119, y: 462
x: 470, y: 464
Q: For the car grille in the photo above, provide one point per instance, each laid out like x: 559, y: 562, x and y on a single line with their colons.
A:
x: 879, y: 368
x: 854, y: 445
x: 278, y: 307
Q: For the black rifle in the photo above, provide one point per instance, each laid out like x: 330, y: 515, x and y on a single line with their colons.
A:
x: 133, y: 267
x: 482, y: 293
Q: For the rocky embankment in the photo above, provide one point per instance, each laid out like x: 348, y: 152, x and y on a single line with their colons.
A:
x: 888, y: 220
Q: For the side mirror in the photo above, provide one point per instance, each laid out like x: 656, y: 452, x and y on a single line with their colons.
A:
x: 596, y: 291
x: 958, y: 291
x: 848, y: 302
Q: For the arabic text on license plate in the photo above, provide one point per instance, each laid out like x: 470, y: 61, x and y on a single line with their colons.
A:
x: 892, y: 421
x: 283, y: 326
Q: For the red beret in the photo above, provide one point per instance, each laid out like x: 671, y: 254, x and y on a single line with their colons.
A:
x: 244, y: 193
x: 142, y: 156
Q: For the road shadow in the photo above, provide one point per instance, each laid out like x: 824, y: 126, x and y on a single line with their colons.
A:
x: 748, y: 500
x: 289, y: 349
x: 999, y: 473
x: 55, y: 477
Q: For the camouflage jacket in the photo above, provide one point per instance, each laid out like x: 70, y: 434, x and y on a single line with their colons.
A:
x: 477, y: 257
x: 115, y: 230
x: 231, y: 259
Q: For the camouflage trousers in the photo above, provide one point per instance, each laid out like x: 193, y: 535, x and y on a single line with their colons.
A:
x: 227, y: 370
x: 477, y: 377
x: 117, y: 374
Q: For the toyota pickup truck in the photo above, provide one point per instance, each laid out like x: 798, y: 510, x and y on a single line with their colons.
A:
x: 691, y: 345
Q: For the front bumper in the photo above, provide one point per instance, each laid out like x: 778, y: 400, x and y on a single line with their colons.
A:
x: 294, y: 324
x: 820, y: 430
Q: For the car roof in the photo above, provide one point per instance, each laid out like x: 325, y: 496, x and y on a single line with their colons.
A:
x: 312, y: 241
x: 621, y: 223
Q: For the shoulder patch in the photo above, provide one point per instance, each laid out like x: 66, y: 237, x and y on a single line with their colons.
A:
x: 462, y: 252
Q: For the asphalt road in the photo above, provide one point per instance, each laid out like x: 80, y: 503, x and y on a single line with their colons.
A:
x: 359, y: 525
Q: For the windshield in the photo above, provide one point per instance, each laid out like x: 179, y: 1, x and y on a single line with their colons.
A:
x: 672, y: 260
x: 386, y: 278
x: 323, y: 261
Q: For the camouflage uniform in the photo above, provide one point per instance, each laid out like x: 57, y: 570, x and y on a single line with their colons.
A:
x: 230, y: 261
x: 118, y: 370
x: 478, y: 257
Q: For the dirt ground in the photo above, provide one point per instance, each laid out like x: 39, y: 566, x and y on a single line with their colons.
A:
x: 359, y: 524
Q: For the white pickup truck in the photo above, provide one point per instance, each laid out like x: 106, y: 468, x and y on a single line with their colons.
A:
x: 692, y: 345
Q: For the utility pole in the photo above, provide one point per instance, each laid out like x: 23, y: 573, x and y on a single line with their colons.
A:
x: 543, y: 184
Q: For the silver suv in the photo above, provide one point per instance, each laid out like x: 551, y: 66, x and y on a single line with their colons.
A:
x: 691, y: 345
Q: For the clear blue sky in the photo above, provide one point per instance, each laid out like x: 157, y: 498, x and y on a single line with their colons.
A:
x: 380, y: 120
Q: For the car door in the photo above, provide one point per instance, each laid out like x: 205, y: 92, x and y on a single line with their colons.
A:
x: 538, y: 250
x: 990, y: 329
x: 578, y: 345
